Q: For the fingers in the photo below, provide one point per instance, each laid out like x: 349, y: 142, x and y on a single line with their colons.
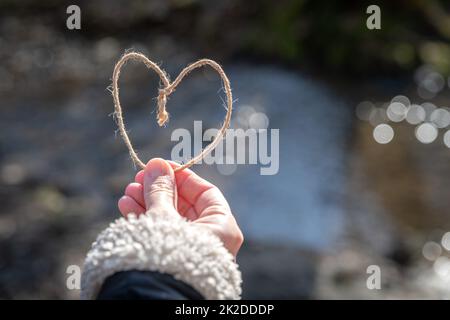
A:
x: 190, y: 185
x: 200, y: 193
x: 180, y: 176
x: 186, y: 209
x: 128, y: 205
x: 226, y: 228
x: 158, y: 186
x: 160, y: 190
x: 211, y: 201
x: 136, y: 191
x: 203, y: 203
x: 139, y: 178
x: 195, y: 194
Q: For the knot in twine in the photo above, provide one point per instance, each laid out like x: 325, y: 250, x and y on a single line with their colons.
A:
x: 167, y: 89
x: 163, y: 115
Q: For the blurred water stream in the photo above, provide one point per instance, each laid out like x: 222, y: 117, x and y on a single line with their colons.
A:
x: 59, y: 151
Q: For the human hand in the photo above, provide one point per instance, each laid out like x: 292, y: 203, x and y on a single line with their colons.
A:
x: 159, y: 189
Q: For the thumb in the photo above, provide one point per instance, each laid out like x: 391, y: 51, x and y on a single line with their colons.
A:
x: 160, y: 191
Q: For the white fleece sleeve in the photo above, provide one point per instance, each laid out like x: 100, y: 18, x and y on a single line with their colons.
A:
x: 167, y: 244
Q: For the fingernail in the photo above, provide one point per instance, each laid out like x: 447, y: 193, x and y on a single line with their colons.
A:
x: 156, y: 168
x: 159, y: 185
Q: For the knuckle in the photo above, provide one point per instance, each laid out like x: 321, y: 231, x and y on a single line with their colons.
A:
x: 238, y: 238
x: 161, y: 184
x: 233, y: 235
x: 129, y: 188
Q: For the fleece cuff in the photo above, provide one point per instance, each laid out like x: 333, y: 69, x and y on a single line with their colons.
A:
x: 167, y: 244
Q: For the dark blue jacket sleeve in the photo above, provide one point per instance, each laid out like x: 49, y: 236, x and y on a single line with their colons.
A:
x: 146, y: 285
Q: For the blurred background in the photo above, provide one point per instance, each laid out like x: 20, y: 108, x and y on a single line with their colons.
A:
x: 363, y: 118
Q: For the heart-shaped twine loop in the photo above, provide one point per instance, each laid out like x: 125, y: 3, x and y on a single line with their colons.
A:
x: 167, y: 89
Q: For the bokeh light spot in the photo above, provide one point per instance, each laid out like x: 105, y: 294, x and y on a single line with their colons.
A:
x: 383, y: 133
x: 447, y: 138
x: 258, y: 120
x: 431, y: 250
x: 426, y: 133
x: 416, y: 114
x: 396, y: 111
x: 446, y: 241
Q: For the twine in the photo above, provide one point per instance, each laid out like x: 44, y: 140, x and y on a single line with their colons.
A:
x: 167, y: 89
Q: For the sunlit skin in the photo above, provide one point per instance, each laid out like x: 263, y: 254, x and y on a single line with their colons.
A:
x: 159, y: 189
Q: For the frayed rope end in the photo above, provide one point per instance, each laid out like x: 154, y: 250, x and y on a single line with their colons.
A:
x: 162, y: 115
